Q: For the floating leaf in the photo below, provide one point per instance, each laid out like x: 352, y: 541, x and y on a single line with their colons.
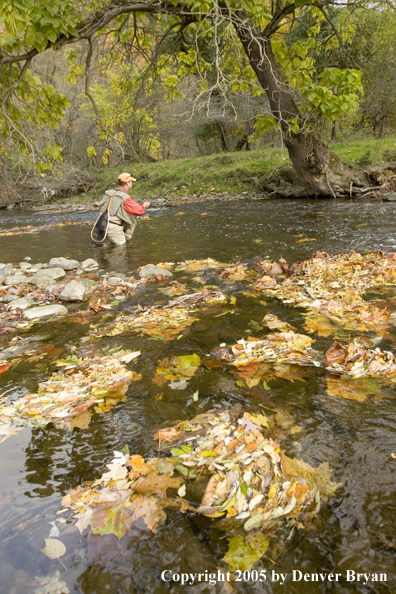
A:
x: 241, y: 556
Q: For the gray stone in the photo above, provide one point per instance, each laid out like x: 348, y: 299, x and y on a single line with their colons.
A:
x: 53, y: 273
x: 15, y: 279
x: 389, y: 198
x: 63, y: 263
x: 11, y: 206
x: 6, y: 270
x: 151, y: 271
x: 73, y: 291
x: 8, y: 298
x: 40, y: 279
x: 89, y: 264
x: 50, y: 288
x: 87, y: 282
x: 45, y: 310
x: 115, y: 280
x: 21, y: 303
x: 24, y: 265
x: 36, y: 267
x: 114, y: 274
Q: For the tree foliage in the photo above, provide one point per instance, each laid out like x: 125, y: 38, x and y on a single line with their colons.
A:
x: 282, y: 48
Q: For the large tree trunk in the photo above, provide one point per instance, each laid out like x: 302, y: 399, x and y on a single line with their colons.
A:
x: 311, y: 157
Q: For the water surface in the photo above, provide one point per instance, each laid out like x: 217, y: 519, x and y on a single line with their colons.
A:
x: 38, y: 466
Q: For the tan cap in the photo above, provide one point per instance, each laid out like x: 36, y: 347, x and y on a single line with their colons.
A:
x: 126, y: 177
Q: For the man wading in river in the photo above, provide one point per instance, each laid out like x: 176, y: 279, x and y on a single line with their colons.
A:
x: 122, y: 210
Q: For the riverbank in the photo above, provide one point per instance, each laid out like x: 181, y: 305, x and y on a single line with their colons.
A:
x: 224, y: 176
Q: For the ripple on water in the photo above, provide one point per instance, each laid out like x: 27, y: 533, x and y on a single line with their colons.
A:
x: 39, y: 465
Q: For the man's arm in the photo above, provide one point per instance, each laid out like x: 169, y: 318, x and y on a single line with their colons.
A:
x: 135, y: 209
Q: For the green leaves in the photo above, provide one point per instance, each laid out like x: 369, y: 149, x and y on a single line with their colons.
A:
x: 111, y: 519
x: 336, y: 94
x: 241, y: 556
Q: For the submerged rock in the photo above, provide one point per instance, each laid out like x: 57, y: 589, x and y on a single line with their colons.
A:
x: 151, y: 271
x: 63, y: 263
x: 73, y: 291
x: 389, y: 197
x: 45, y: 311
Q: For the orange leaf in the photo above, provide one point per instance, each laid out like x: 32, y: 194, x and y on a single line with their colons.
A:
x: 135, y: 461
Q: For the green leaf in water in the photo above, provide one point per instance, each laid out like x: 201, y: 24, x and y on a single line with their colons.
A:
x: 242, y: 556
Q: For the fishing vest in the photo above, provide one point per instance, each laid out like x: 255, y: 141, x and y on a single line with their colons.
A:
x: 117, y: 213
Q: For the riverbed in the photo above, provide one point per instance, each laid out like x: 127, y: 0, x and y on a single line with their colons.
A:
x: 38, y: 466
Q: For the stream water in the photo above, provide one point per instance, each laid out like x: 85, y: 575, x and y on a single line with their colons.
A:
x: 355, y: 531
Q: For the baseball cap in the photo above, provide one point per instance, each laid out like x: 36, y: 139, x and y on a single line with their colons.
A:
x: 126, y: 177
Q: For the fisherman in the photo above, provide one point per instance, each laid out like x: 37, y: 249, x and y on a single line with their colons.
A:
x: 123, y: 211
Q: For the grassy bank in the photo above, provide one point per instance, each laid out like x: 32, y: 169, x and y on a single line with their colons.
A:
x: 228, y: 172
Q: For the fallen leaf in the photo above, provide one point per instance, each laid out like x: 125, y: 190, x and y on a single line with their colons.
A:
x: 156, y: 484
x: 335, y: 354
x: 150, y: 509
x: 111, y: 519
x: 54, y: 548
x: 241, y: 556
x: 51, y: 584
x: 5, y: 500
x: 352, y: 389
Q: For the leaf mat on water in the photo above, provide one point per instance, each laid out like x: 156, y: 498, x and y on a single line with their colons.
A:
x: 197, y: 265
x: 282, y: 355
x: 174, y: 288
x: 30, y: 229
x: 331, y: 287
x: 238, y: 273
x: 131, y: 489
x: 174, y: 368
x: 356, y: 361
x: 75, y: 389
x: 253, y: 487
x: 281, y: 347
x: 163, y: 323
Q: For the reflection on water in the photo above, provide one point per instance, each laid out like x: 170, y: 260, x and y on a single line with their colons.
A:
x: 38, y: 466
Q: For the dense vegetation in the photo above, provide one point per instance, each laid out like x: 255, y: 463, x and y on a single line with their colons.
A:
x: 103, y: 84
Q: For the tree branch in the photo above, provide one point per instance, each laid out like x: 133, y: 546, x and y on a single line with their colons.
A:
x: 87, y: 28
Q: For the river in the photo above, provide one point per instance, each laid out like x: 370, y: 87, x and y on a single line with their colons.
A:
x: 38, y: 466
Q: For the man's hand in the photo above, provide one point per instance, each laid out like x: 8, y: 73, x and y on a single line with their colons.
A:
x: 146, y: 204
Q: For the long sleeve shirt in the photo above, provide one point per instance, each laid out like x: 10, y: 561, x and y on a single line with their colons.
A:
x: 132, y: 207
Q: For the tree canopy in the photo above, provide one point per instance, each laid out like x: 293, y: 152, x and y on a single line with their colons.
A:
x: 299, y: 60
